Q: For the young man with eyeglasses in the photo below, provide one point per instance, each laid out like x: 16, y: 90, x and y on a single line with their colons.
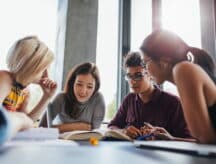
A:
x: 147, y: 103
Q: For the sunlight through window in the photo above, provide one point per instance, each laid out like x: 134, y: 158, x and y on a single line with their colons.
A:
x: 184, y: 20
x: 106, y: 59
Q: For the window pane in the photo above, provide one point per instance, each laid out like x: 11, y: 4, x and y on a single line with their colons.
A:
x: 183, y: 18
x: 141, y: 21
x: 107, y: 42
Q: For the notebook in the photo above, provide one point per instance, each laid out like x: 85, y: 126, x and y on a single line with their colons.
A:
x: 179, y: 146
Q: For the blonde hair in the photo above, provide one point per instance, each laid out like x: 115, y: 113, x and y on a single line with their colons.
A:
x: 27, y: 57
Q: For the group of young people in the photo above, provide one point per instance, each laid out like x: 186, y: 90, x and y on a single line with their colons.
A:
x: 80, y: 106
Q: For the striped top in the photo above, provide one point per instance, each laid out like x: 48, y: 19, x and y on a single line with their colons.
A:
x: 16, y: 97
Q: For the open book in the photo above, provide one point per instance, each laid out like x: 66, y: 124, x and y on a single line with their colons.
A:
x: 96, y: 133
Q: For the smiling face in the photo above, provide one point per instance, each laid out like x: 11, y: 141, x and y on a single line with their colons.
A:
x: 138, y: 79
x: 84, y: 87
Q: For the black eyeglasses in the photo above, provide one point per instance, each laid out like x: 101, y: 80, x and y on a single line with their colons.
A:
x: 136, y: 77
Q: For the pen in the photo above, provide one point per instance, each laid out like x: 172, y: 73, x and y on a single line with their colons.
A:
x: 144, y: 137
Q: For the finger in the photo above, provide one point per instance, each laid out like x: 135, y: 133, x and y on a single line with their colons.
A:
x: 129, y: 133
x: 145, y: 128
x: 49, y: 83
x: 147, y: 131
x: 136, y: 131
x: 160, y: 129
x: 148, y: 125
x: 161, y: 136
x: 54, y: 85
x: 45, y: 74
x: 45, y: 83
x: 132, y: 133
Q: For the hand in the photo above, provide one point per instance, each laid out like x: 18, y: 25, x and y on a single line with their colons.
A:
x: 48, y: 86
x: 162, y: 134
x: 132, y: 132
x: 26, y: 122
x: 20, y: 121
x: 147, y: 129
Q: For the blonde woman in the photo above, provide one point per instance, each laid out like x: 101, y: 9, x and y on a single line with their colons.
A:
x: 27, y: 61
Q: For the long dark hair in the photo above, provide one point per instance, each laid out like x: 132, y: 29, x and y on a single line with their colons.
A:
x: 162, y: 44
x: 71, y: 101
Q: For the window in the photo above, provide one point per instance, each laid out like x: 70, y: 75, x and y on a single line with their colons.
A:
x: 141, y: 22
x: 183, y: 18
x: 106, y: 59
x: 27, y: 17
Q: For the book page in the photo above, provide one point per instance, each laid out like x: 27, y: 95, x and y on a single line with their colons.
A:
x: 81, y: 135
x: 118, y: 134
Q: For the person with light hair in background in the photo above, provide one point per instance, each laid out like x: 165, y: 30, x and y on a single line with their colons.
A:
x: 80, y: 106
x: 28, y: 60
x: 168, y: 58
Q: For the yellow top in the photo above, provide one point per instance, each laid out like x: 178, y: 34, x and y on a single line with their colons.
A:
x: 16, y: 97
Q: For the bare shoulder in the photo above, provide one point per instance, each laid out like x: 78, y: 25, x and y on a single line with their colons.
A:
x: 185, y: 67
x: 5, y: 84
x: 195, y: 79
x: 5, y: 77
x: 191, y: 78
x: 187, y: 71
